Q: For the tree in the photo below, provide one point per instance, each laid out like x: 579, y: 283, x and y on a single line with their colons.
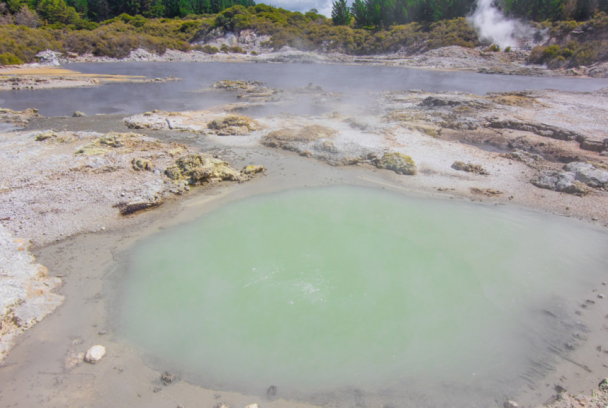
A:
x: 26, y: 17
x: 14, y: 5
x: 56, y: 11
x: 340, y: 13
x: 359, y: 12
x: 98, y: 10
x: 157, y: 9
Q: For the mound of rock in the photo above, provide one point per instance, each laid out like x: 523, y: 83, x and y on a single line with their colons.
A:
x: 198, y: 169
x: 18, y: 118
x: 589, y: 174
x: 294, y: 140
x: 233, y: 125
x: 577, y: 178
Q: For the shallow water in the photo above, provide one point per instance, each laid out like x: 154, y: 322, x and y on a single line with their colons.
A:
x: 178, y: 96
x: 343, y: 290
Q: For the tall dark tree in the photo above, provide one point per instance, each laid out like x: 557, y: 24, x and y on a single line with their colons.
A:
x: 360, y: 13
x: 340, y: 13
x: 98, y: 10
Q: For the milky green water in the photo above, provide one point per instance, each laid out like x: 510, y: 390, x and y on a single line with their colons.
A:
x: 346, y: 287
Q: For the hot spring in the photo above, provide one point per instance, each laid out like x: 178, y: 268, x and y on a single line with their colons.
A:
x: 341, y: 290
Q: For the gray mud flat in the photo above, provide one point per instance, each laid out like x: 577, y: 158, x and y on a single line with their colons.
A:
x: 130, y: 98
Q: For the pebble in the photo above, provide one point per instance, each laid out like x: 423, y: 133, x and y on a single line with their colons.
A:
x: 600, y: 296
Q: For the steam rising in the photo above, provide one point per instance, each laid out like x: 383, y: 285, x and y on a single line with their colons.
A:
x: 492, y: 25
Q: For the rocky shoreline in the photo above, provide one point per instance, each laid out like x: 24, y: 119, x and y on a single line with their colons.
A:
x: 542, y: 150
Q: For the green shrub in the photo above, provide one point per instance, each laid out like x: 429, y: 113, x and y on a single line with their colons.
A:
x: 9, y: 59
x: 189, y: 26
x: 207, y: 49
x: 508, y: 49
x: 125, y: 17
x: 237, y: 50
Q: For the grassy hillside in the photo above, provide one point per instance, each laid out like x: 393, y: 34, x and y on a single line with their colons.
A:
x: 577, y: 43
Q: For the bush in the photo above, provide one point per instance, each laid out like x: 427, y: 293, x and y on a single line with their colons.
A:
x: 9, y: 59
x: 207, y: 49
x: 237, y: 50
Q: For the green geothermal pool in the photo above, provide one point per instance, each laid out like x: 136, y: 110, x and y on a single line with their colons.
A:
x: 341, y: 288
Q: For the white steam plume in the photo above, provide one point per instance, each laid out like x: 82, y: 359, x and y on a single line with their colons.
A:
x: 492, y: 25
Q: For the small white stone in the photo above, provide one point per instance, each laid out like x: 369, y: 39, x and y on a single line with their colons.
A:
x: 252, y: 406
x: 94, y: 354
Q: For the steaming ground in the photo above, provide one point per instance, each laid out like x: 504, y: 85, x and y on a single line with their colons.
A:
x: 493, y: 26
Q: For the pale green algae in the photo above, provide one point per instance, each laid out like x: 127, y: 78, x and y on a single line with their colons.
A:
x: 348, y: 287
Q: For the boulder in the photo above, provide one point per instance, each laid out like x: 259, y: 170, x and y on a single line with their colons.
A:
x: 397, y: 162
x: 94, y: 354
x: 561, y: 182
x: 589, y: 174
x: 79, y: 114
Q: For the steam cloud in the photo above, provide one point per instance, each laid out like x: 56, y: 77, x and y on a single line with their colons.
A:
x: 492, y: 25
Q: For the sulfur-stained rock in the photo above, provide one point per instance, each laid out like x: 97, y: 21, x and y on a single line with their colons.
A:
x: 397, y: 162
x: 141, y: 164
x: 173, y: 172
x: 233, y: 125
x: 49, y: 134
x: 253, y: 169
x: 469, y: 168
x: 200, y: 169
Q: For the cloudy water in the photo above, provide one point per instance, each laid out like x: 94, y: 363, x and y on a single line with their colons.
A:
x: 179, y: 96
x: 347, y: 296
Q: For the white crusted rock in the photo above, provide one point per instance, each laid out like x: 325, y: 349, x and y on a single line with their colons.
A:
x: 94, y: 354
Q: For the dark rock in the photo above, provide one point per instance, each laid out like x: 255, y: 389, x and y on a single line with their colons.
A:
x: 469, y: 168
x: 536, y: 128
x: 271, y: 392
x: 561, y: 182
x: 167, y: 378
x: 132, y: 208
